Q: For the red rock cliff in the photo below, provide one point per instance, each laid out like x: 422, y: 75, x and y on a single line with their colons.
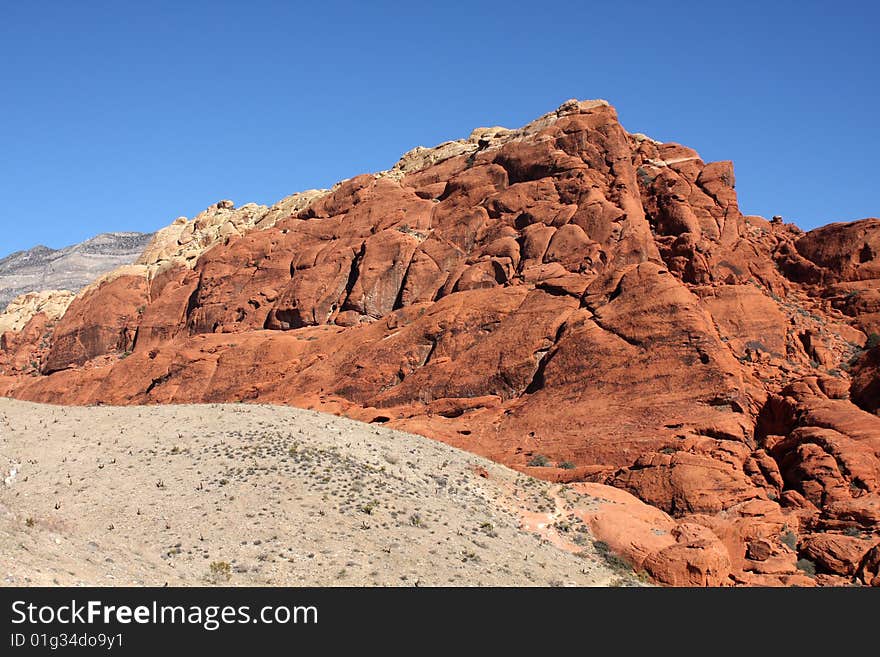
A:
x: 567, y: 291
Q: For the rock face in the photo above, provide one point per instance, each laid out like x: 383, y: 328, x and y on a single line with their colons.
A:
x: 185, y: 240
x: 26, y: 328
x: 42, y: 269
x: 52, y: 303
x: 574, y: 301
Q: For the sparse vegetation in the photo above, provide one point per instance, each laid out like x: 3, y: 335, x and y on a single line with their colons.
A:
x: 617, y: 563
x: 538, y: 461
x: 220, y: 571
x: 432, y: 507
x: 854, y: 359
x: 789, y: 538
x: 469, y: 555
x: 807, y: 567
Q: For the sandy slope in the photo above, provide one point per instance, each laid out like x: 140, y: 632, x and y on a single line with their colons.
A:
x: 280, y: 496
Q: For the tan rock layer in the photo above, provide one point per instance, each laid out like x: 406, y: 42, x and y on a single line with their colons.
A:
x: 52, y: 303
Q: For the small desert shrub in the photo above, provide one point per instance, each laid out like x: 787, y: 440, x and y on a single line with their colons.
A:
x: 30, y: 522
x: 220, y: 571
x: 873, y: 341
x: 854, y: 360
x: 603, y: 550
x: 538, y: 461
x: 807, y: 567
x: 567, y: 465
x: 789, y: 538
x: 468, y: 555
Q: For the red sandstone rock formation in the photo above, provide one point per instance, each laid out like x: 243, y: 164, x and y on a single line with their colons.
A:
x: 567, y: 291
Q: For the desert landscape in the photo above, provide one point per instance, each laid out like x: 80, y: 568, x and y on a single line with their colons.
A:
x: 601, y: 347
x: 248, y: 495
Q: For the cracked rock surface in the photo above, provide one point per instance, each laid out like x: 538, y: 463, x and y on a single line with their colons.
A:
x: 568, y: 299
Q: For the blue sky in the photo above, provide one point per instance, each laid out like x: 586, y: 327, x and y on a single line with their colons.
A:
x: 124, y: 115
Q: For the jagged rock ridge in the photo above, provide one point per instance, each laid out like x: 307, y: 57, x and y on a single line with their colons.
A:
x: 71, y: 268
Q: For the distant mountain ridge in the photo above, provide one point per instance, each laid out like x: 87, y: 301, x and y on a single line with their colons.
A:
x: 71, y: 268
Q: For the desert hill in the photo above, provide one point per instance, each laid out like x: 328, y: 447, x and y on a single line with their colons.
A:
x: 255, y: 495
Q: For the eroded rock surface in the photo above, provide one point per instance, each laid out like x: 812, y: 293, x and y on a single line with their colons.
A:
x: 574, y: 301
